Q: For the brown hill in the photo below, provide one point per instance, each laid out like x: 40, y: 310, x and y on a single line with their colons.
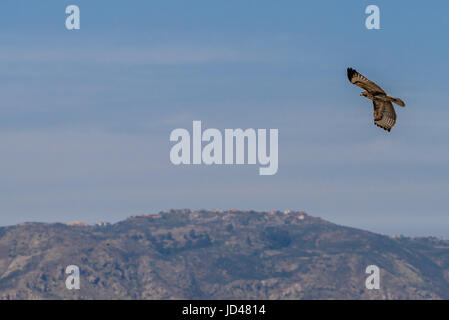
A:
x: 183, y: 254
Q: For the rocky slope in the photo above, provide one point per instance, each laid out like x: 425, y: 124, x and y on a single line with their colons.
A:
x: 183, y: 254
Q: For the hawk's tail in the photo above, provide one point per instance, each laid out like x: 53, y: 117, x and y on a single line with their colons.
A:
x: 398, y: 101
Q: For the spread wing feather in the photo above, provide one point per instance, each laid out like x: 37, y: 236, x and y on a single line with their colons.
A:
x: 362, y: 82
x: 384, y: 114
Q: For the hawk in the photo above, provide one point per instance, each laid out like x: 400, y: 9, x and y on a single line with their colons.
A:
x: 384, y: 114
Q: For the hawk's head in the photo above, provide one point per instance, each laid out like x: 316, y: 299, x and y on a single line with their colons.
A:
x: 367, y: 95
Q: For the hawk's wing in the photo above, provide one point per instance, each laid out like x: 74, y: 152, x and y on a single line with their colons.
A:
x: 362, y: 82
x: 384, y: 114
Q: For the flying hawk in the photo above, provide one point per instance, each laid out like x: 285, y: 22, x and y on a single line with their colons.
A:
x: 384, y: 115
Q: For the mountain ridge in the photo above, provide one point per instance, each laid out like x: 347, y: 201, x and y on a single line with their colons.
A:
x: 218, y: 254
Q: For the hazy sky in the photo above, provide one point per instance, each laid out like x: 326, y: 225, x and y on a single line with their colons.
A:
x: 86, y: 115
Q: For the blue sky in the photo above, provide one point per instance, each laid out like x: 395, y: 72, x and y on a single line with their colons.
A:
x: 85, y: 116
